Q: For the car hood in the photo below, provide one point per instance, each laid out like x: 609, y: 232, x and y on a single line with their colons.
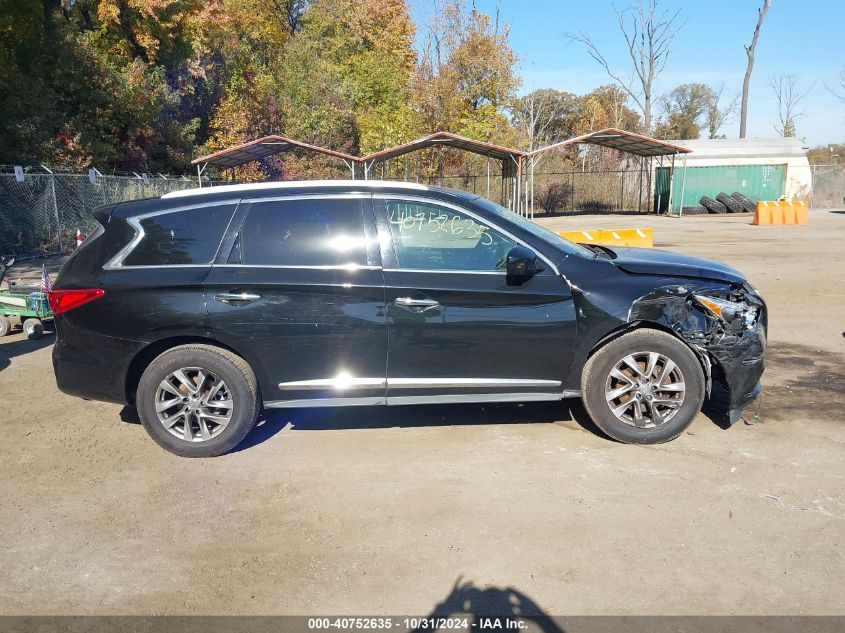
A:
x: 648, y: 261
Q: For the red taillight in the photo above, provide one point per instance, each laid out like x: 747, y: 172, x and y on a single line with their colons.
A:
x: 64, y: 300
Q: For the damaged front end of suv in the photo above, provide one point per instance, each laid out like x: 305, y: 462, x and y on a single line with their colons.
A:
x: 725, y: 326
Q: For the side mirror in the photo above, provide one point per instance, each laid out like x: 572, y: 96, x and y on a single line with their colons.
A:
x: 522, y: 265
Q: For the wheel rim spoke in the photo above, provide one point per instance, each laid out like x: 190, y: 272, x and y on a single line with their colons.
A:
x: 164, y: 405
x: 620, y: 391
x: 630, y: 362
x: 189, y: 384
x: 166, y: 386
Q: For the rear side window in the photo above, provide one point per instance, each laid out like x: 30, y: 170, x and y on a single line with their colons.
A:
x: 181, y: 237
x: 305, y: 232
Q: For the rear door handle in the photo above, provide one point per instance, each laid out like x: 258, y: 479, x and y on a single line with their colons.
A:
x: 410, y: 302
x: 236, y: 296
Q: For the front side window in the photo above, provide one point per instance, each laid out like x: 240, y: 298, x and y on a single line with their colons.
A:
x: 181, y: 237
x: 303, y: 232
x: 428, y: 236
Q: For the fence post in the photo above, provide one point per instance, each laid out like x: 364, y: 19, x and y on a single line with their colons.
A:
x: 812, y: 185
x: 622, y: 194
x: 55, y: 206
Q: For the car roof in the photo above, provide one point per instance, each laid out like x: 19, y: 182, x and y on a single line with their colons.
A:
x: 223, y: 193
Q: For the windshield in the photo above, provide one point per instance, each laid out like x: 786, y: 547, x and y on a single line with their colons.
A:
x: 570, y: 248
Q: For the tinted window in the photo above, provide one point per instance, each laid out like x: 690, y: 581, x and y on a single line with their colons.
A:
x: 316, y: 232
x: 535, y: 229
x: 427, y: 236
x: 181, y: 237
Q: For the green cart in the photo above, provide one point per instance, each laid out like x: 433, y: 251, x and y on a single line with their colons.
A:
x: 29, y: 305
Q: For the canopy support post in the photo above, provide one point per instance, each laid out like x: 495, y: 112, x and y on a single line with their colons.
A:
x: 200, y: 170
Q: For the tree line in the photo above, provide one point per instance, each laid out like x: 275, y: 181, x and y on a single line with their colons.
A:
x: 146, y: 85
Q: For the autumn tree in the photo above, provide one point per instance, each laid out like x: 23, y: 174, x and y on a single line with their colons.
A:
x: 543, y: 116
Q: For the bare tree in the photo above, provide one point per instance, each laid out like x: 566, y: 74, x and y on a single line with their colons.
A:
x: 649, y: 33
x: 788, y: 95
x: 838, y: 92
x: 749, y: 51
x: 718, y: 115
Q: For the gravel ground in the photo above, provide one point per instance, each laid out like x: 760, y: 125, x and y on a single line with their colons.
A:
x: 372, y: 511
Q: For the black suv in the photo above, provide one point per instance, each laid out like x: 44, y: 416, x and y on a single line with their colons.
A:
x: 202, y: 306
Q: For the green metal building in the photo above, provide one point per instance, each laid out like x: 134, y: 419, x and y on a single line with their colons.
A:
x: 762, y: 169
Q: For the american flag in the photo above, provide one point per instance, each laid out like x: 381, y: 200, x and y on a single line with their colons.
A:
x: 46, y: 284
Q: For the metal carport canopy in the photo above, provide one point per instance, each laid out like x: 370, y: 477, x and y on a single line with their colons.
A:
x: 262, y: 148
x: 450, y: 140
x: 621, y: 140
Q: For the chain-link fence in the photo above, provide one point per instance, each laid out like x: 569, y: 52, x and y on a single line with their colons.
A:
x: 40, y: 213
x: 613, y: 191
x: 828, y: 186
x: 632, y: 191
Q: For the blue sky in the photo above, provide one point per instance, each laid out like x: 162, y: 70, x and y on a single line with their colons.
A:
x: 800, y: 37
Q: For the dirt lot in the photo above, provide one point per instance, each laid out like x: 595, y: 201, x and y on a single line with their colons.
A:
x: 374, y: 511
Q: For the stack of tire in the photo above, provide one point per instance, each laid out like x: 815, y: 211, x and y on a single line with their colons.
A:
x: 724, y: 203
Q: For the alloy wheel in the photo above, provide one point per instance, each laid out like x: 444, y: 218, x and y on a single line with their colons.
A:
x: 193, y: 404
x: 645, y: 389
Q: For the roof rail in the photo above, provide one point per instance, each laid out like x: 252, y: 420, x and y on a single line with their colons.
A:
x: 293, y: 184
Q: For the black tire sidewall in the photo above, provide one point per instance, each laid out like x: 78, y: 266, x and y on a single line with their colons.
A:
x: 607, y: 357
x: 244, y: 408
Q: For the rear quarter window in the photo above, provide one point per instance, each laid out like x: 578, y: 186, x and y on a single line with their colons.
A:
x: 181, y: 237
x: 303, y: 232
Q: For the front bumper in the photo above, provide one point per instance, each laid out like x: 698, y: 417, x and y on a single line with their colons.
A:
x: 741, y: 362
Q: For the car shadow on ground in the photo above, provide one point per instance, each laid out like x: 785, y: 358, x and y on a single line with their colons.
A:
x: 272, y: 421
x: 483, y: 606
x: 12, y: 348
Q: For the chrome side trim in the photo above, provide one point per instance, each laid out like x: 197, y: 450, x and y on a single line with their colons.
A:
x: 116, y: 262
x: 340, y: 383
x: 436, y: 202
x: 323, y: 402
x: 349, y: 267
x: 501, y: 273
x: 401, y: 400
x: 459, y: 383
x: 344, y: 381
x: 475, y: 397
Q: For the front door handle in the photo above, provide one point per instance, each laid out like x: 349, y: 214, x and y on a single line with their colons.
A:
x: 236, y: 296
x: 410, y: 302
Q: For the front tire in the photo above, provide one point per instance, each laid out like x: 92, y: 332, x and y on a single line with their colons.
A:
x: 198, y: 400
x: 645, y: 387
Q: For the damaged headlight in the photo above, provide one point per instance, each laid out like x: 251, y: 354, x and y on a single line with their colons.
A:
x: 729, y: 311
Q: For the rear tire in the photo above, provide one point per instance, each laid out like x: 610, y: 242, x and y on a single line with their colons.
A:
x: 5, y: 325
x: 668, y: 397
x: 215, y: 401
x: 33, y: 328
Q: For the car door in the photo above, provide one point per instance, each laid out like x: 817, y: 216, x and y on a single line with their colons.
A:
x: 301, y: 292
x: 456, y: 330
